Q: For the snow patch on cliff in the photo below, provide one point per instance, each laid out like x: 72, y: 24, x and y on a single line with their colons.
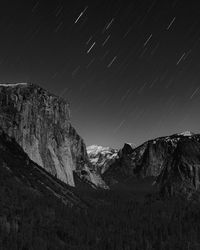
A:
x: 186, y: 133
x: 101, y: 157
x: 12, y: 84
x: 95, y: 149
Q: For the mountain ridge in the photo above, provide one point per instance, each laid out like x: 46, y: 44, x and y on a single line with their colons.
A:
x: 150, y: 160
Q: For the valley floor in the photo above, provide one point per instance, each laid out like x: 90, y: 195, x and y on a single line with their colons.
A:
x: 115, y: 220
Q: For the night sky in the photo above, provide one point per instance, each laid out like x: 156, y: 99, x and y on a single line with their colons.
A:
x: 130, y: 69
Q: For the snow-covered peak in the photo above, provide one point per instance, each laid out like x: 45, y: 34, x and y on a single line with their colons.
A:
x: 186, y: 133
x: 101, y: 157
x: 12, y: 84
x: 95, y: 149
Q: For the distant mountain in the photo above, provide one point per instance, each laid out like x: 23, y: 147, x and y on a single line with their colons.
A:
x: 18, y: 173
x: 101, y: 157
x: 180, y: 172
x: 148, y: 158
x: 40, y: 123
x: 153, y: 159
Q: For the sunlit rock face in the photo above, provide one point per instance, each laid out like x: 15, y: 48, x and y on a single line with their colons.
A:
x: 19, y: 171
x: 40, y: 123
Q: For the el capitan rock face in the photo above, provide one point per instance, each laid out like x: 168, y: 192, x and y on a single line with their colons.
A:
x: 40, y: 123
x: 19, y: 172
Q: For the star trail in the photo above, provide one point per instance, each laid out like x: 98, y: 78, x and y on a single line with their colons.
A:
x: 130, y: 69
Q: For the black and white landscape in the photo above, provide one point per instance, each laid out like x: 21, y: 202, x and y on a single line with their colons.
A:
x: 56, y: 194
x: 99, y: 125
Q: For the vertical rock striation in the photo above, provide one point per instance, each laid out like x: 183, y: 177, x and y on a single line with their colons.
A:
x: 40, y: 122
x: 181, y: 170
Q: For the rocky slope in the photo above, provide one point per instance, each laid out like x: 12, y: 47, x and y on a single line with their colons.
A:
x: 40, y: 123
x: 147, y: 159
x: 172, y: 161
x: 181, y: 170
x: 19, y: 174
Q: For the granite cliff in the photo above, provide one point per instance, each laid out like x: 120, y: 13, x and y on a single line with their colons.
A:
x: 181, y: 170
x: 40, y: 123
x: 19, y: 176
x: 172, y: 162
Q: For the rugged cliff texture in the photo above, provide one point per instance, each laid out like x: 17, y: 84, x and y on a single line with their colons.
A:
x: 147, y: 159
x: 18, y: 172
x: 181, y: 170
x: 121, y: 167
x: 173, y: 162
x: 40, y: 123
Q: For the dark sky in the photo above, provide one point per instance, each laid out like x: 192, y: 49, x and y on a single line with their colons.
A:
x: 130, y: 69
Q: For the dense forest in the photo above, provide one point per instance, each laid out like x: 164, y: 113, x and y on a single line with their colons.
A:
x: 115, y: 220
